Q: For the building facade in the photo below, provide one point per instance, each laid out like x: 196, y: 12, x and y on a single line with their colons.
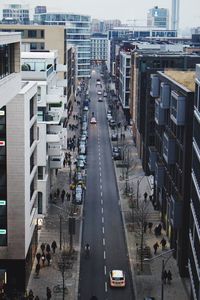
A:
x: 170, y: 159
x: 158, y: 17
x: 194, y: 232
x: 99, y: 47
x: 175, y: 14
x: 16, y: 13
x: 78, y: 35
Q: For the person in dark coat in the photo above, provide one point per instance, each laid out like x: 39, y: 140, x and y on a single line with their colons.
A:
x: 169, y: 276
x: 48, y: 293
x: 43, y: 258
x: 54, y: 246
x: 163, y: 242
x: 42, y: 247
x: 37, y: 298
x: 164, y: 276
x: 48, y: 249
x: 150, y: 225
x: 30, y: 295
x: 37, y: 269
x: 155, y: 247
x: 38, y: 256
x: 48, y: 257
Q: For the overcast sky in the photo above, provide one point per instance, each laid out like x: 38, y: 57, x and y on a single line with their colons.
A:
x: 119, y: 9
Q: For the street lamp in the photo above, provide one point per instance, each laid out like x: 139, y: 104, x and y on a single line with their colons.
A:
x: 138, y: 185
x: 164, y: 263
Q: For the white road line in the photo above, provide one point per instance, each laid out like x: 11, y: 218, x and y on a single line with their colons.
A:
x: 101, y: 201
x: 102, y: 219
x: 100, y: 174
x: 104, y: 241
x: 101, y: 187
x: 104, y: 254
x: 99, y: 161
x: 102, y: 210
x: 105, y: 270
x: 106, y: 287
x: 101, y: 194
x: 103, y: 230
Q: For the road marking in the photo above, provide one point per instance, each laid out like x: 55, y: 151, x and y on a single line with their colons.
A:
x: 102, y: 210
x: 100, y: 174
x: 102, y: 219
x: 101, y: 201
x: 104, y: 241
x: 103, y: 230
x: 99, y: 161
x: 105, y: 270
x: 106, y: 287
x: 101, y: 187
x: 104, y: 254
x: 101, y: 194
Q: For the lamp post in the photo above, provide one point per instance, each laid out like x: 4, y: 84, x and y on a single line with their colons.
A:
x: 164, y: 263
x: 138, y: 185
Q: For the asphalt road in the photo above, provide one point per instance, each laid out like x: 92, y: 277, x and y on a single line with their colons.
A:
x: 102, y: 226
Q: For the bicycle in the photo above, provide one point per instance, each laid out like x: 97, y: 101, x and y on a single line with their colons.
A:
x: 59, y: 289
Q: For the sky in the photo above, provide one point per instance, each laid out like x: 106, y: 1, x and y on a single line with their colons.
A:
x: 118, y: 9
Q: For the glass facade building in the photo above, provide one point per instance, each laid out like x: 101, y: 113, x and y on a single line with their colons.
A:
x: 78, y: 34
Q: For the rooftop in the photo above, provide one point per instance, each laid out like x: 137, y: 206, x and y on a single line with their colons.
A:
x: 185, y: 78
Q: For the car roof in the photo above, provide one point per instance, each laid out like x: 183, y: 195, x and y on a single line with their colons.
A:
x: 117, y: 273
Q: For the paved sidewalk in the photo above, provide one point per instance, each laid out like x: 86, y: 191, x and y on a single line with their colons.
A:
x: 148, y: 282
x: 56, y: 220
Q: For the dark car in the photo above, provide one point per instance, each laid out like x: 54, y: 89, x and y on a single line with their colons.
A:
x: 116, y: 153
x: 112, y: 124
x: 114, y: 137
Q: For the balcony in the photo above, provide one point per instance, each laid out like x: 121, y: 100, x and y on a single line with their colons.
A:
x: 54, y: 133
x: 51, y: 117
x: 152, y: 158
x: 154, y: 92
x: 61, y: 68
x: 175, y: 210
x: 36, y: 74
x: 62, y: 83
x: 169, y: 149
x: 159, y: 174
x: 56, y: 162
x: 164, y: 95
x: 177, y: 108
x: 159, y: 113
x: 54, y: 150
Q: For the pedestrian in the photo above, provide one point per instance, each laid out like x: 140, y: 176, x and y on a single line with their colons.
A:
x: 37, y: 298
x: 163, y: 242
x: 145, y: 227
x: 38, y: 256
x: 30, y: 295
x: 43, y: 258
x: 69, y: 196
x: 169, y: 276
x: 48, y: 257
x: 42, y: 247
x: 145, y: 196
x: 48, y: 293
x: 155, y: 247
x: 48, y: 248
x: 150, y: 225
x: 64, y: 163
x: 54, y: 246
x: 37, y: 269
x: 57, y: 192
x: 164, y: 276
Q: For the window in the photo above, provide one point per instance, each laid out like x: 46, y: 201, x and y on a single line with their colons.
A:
x: 31, y: 108
x: 31, y: 162
x: 32, y: 33
x: 40, y: 173
x: 31, y: 188
x: 40, y: 203
x: 31, y: 135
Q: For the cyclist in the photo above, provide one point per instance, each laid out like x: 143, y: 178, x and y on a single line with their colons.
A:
x: 87, y: 249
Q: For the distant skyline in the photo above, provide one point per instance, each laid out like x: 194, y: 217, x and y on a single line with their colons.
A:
x: 124, y: 10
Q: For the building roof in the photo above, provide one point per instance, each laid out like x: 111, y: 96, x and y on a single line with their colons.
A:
x: 185, y: 78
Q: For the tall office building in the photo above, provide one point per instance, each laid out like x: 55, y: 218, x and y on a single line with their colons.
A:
x: 78, y: 35
x: 16, y: 13
x: 175, y: 15
x: 158, y: 17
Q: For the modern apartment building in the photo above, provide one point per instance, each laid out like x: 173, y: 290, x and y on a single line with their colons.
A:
x: 78, y: 35
x: 18, y: 165
x: 194, y: 231
x: 41, y: 67
x: 99, y: 47
x: 16, y: 13
x: 170, y: 158
x: 158, y: 17
x: 144, y: 64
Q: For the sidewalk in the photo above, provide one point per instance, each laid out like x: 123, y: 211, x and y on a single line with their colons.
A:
x: 148, y: 282
x: 56, y: 221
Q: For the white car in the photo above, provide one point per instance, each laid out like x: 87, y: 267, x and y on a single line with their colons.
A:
x: 99, y: 92
x: 117, y: 278
x: 93, y: 120
x: 85, y: 108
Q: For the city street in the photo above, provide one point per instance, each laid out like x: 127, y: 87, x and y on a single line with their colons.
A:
x: 102, y: 226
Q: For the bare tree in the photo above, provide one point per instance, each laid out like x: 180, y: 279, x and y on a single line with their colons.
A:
x: 129, y: 164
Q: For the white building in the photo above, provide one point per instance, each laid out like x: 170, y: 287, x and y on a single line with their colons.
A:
x: 18, y: 165
x: 99, y: 47
x: 124, y: 78
x: 16, y: 13
x: 52, y: 136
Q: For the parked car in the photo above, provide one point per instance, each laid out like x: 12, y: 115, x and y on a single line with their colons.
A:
x: 105, y: 94
x: 85, y: 108
x: 116, y: 153
x: 93, y: 121
x: 79, y: 194
x: 109, y: 117
x: 114, y: 137
x: 112, y: 124
x: 82, y: 149
x: 99, y: 92
x: 100, y: 99
x: 80, y: 164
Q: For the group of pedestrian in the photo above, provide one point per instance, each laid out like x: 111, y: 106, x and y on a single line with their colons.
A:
x: 31, y: 296
x: 75, y: 117
x: 72, y: 127
x: 167, y: 276
x: 163, y: 243
x: 71, y: 143
x: 44, y: 256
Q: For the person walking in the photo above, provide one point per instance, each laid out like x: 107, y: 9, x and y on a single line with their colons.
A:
x: 38, y: 256
x: 164, y: 276
x: 42, y: 247
x: 37, y: 298
x: 48, y: 293
x: 163, y: 242
x: 150, y: 225
x: 48, y: 248
x: 30, y: 295
x: 37, y: 269
x: 155, y: 247
x: 43, y: 259
x: 54, y: 246
x: 48, y: 257
x: 169, y: 276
